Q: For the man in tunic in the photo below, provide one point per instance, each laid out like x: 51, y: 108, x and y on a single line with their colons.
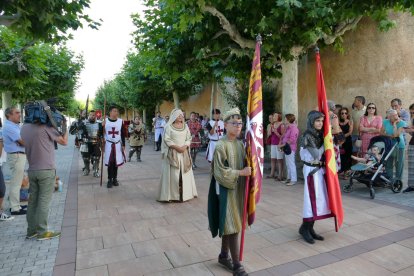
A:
x: 316, y: 201
x: 215, y: 130
x: 91, y: 130
x: 177, y: 179
x: 226, y: 193
x: 137, y: 138
x: 158, y: 123
x: 114, y: 145
x: 195, y: 127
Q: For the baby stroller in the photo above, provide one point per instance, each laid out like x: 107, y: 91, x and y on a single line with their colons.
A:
x: 373, y: 174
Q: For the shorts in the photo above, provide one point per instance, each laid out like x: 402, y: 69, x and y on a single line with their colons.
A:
x: 275, y: 153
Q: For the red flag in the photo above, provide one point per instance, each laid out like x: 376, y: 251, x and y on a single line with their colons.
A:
x: 254, y: 143
x: 332, y: 181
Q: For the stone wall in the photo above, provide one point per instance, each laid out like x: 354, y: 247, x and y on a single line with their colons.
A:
x: 377, y: 65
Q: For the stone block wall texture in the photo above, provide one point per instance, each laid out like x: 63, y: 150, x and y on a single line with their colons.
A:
x: 377, y: 65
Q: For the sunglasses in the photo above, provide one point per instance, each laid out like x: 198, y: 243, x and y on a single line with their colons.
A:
x: 371, y: 107
x: 344, y: 113
x: 412, y: 112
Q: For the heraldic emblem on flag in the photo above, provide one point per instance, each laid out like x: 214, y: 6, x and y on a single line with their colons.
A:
x: 332, y: 181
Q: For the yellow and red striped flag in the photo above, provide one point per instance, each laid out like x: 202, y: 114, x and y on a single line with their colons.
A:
x: 254, y: 143
x: 332, y: 181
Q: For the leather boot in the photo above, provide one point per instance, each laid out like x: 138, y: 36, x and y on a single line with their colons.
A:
x: 304, y: 230
x: 110, y: 183
x: 313, y: 233
x: 115, y: 182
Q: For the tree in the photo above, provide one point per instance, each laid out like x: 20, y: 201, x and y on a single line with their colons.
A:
x: 288, y: 27
x: 31, y: 71
x: 48, y: 20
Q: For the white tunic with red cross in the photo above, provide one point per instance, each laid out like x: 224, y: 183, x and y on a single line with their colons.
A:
x: 113, y: 142
x: 218, y: 134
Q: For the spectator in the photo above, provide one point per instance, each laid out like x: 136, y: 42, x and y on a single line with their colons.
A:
x: 3, y: 215
x: 290, y: 137
x: 396, y: 104
x: 346, y: 148
x: 277, y: 132
x: 410, y: 153
x: 42, y: 176
x: 369, y: 126
x: 357, y: 112
x: 338, y: 108
x: 16, y: 158
x: 268, y: 139
x: 393, y: 128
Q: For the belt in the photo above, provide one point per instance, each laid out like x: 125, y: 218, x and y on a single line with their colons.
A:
x: 113, y: 142
x: 17, y: 152
x: 316, y: 165
x: 213, y: 140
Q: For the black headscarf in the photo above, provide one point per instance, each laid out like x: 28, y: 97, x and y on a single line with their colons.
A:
x: 312, y: 138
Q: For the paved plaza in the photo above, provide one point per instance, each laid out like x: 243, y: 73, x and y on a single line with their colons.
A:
x: 124, y: 231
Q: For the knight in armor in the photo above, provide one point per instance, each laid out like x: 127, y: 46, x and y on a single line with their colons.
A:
x: 90, y: 147
x: 114, y: 134
x: 216, y: 131
x: 77, y: 128
x: 159, y: 123
x: 137, y: 137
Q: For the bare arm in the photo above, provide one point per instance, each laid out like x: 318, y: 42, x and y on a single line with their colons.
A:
x: 63, y: 140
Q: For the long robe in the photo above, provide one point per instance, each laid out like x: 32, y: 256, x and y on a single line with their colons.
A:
x: 214, y: 138
x: 113, y: 142
x: 315, y: 198
x: 226, y: 194
x: 170, y: 177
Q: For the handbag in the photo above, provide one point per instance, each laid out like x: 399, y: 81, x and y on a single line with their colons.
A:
x: 287, y: 149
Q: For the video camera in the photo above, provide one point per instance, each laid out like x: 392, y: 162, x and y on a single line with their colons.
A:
x: 36, y: 113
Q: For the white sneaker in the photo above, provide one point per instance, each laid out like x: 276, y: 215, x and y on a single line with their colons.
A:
x: 5, y: 217
x: 290, y: 183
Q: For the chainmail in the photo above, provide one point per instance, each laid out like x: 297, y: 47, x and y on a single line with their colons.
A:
x: 312, y: 139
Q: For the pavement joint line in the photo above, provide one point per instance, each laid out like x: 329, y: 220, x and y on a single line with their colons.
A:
x: 338, y: 251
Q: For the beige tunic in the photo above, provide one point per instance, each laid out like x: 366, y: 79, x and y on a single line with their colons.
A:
x: 136, y: 135
x: 170, y: 177
x: 228, y: 159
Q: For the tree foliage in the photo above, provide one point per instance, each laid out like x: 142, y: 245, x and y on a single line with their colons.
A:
x: 48, y: 20
x: 32, y: 71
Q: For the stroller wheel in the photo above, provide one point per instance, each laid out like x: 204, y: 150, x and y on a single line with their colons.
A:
x: 396, y: 186
x: 347, y: 188
x: 372, y: 193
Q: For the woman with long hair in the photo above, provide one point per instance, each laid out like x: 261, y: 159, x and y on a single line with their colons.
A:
x: 369, y: 126
x: 277, y: 131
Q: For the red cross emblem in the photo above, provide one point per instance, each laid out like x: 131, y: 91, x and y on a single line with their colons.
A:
x: 113, y: 132
x: 219, y: 131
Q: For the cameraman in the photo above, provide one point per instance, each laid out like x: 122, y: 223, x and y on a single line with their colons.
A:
x: 40, y: 151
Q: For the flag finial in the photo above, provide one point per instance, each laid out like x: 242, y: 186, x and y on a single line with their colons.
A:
x: 259, y: 38
x: 316, y: 49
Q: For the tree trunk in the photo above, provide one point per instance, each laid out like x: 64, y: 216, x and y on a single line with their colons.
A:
x: 144, y: 116
x: 176, y: 100
x: 213, y: 84
x: 290, y: 87
x: 6, y: 102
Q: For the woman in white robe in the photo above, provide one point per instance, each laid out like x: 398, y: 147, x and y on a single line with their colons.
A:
x: 177, y: 179
x: 315, y: 196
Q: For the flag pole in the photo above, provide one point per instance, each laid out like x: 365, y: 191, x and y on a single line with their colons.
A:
x: 249, y: 164
x: 103, y: 140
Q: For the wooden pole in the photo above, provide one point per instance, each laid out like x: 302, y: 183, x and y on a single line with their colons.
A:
x: 246, y: 198
x: 103, y: 140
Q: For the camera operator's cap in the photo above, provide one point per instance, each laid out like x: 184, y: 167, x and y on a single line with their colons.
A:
x: 230, y: 113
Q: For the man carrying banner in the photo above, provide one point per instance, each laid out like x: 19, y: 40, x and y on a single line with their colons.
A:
x: 226, y: 195
x: 114, y: 145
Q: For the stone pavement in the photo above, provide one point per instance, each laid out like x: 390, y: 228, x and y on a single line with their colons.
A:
x: 30, y: 257
x: 124, y: 231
